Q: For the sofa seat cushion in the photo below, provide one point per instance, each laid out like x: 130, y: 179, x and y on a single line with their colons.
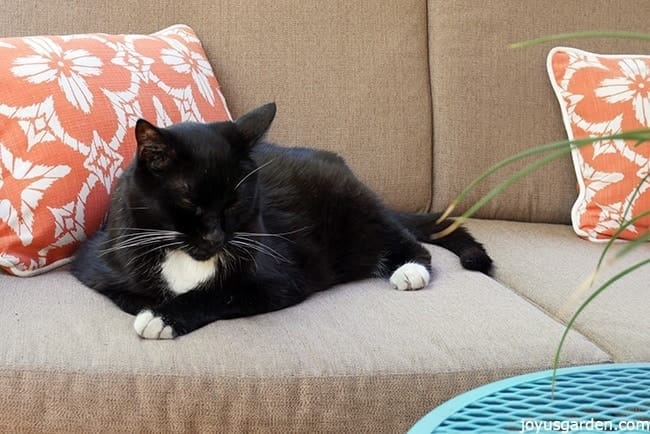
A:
x: 359, y: 355
x: 546, y: 263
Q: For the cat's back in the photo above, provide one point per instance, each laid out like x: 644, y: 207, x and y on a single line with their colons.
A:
x: 301, y: 166
x: 311, y: 182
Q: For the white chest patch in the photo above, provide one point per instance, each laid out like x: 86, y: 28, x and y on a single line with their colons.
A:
x: 183, y: 273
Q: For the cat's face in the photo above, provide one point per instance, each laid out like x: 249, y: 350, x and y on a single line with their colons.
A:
x: 199, y: 180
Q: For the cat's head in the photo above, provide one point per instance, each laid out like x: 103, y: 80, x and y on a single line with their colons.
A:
x: 198, y: 179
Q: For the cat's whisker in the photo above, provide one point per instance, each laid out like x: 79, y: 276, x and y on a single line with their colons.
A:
x: 135, y: 247
x: 137, y: 242
x: 140, y: 233
x: 137, y: 238
x: 250, y: 255
x: 261, y: 248
x: 254, y: 242
x: 223, y: 256
x: 127, y: 244
x: 229, y: 254
x: 161, y: 247
x: 252, y: 172
x: 145, y: 235
x: 223, y: 262
x: 280, y: 235
x: 123, y: 228
x: 126, y: 228
x: 145, y: 266
x: 271, y: 252
x: 245, y: 247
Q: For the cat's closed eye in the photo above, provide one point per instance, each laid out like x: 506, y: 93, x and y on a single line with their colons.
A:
x: 183, y: 192
x: 189, y: 205
x: 186, y: 202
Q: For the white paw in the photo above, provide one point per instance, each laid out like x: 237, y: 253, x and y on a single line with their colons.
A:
x: 410, y: 276
x: 148, y: 326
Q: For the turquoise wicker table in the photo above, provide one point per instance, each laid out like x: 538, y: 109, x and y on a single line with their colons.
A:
x: 588, y: 399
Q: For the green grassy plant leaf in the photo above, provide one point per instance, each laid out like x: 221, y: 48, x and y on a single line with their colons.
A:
x: 582, y: 35
x: 596, y: 293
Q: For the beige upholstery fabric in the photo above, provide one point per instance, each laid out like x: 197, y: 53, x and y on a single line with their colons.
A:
x: 352, y: 76
x: 347, y: 76
x: 490, y: 102
x: 68, y: 402
x: 357, y: 355
x: 546, y: 263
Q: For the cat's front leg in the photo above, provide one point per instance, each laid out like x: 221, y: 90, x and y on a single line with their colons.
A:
x: 179, y: 315
x: 194, y: 309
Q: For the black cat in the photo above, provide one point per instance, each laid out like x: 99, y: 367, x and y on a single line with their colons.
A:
x: 210, y: 222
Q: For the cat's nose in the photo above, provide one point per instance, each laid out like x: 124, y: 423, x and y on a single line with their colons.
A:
x: 214, y: 238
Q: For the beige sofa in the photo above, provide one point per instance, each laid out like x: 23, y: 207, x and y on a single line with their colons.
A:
x: 420, y: 97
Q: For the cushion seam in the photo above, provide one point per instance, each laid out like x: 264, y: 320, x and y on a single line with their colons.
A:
x: 558, y: 320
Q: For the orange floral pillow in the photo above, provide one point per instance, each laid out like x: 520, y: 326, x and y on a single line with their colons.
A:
x: 604, y: 95
x: 68, y: 107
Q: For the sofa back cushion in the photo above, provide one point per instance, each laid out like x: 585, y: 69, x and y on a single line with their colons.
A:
x: 490, y: 101
x: 347, y: 76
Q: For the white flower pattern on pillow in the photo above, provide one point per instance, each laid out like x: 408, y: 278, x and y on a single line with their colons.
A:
x: 185, y: 61
x: 68, y: 67
x: 633, y: 85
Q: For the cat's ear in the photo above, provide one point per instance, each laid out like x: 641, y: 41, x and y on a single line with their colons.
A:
x: 254, y: 124
x: 153, y: 151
